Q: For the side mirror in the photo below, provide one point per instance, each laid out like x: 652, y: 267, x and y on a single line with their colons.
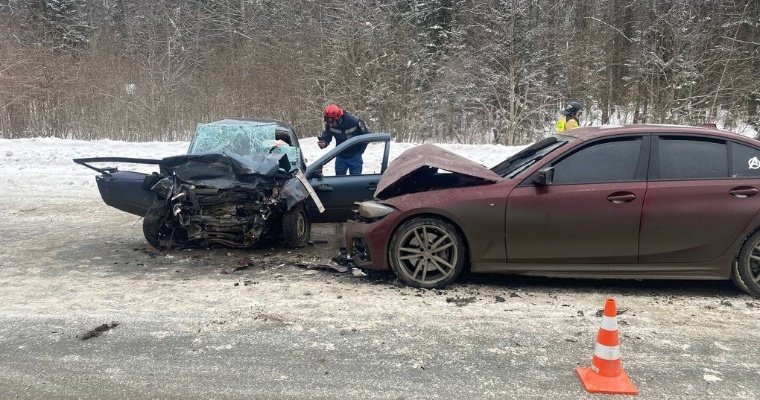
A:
x: 317, y: 173
x: 545, y: 177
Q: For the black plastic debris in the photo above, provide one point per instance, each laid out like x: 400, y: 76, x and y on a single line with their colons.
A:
x: 620, y: 311
x: 97, y: 331
x: 243, y: 263
x: 460, y: 301
x: 328, y: 267
x: 343, y: 259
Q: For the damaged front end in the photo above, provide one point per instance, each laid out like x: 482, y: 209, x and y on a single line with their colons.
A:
x: 403, y: 192
x: 240, y: 182
x: 418, y: 170
x: 226, y: 199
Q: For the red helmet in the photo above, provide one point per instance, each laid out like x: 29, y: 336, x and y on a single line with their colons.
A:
x: 333, y: 111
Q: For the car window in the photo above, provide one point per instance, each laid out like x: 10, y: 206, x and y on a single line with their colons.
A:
x: 609, y: 161
x: 527, y: 156
x: 372, y: 160
x: 692, y: 158
x: 745, y: 161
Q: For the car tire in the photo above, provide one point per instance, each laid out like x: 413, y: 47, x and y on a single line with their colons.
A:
x: 736, y: 278
x: 154, y: 223
x: 427, y: 252
x: 296, y: 227
x: 747, y: 267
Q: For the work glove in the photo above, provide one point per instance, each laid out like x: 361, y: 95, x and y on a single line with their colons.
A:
x: 321, y: 143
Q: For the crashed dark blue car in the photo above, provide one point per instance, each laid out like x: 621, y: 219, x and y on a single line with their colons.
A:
x: 242, y: 181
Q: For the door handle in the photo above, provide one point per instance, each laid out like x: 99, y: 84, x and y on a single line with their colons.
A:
x: 621, y: 197
x: 325, y: 187
x: 743, y: 191
x: 372, y: 186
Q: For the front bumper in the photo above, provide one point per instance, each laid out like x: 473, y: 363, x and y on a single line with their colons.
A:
x: 367, y: 244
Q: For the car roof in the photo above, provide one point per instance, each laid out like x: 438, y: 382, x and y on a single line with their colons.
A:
x: 593, y: 132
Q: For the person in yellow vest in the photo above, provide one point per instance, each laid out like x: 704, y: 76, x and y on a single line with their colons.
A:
x: 569, y: 117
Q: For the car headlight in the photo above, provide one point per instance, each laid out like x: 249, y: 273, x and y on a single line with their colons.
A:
x: 374, y: 210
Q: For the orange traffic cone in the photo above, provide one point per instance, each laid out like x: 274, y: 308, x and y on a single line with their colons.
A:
x: 606, y: 373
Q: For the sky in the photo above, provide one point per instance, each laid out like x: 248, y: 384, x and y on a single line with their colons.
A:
x: 44, y: 166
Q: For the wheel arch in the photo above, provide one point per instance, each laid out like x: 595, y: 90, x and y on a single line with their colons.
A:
x: 743, y: 241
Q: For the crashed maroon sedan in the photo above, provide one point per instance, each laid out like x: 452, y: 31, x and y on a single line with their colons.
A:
x: 640, y: 201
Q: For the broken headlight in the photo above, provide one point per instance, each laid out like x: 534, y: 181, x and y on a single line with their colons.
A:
x: 371, y: 210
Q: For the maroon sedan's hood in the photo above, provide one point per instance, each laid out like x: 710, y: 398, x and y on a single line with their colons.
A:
x: 415, y: 170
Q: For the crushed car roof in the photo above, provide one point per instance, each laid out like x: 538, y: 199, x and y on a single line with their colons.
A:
x: 428, y: 156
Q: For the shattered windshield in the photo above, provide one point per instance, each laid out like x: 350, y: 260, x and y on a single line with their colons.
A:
x: 244, y: 138
x: 527, y: 156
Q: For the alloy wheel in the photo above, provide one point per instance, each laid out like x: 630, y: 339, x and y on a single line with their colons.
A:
x: 427, y: 254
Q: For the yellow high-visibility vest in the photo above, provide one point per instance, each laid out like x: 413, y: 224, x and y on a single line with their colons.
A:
x: 563, y: 123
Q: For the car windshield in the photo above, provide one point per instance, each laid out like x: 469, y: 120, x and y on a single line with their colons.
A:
x: 529, y: 155
x: 240, y: 137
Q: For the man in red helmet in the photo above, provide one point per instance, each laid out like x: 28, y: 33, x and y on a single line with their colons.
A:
x: 343, y: 126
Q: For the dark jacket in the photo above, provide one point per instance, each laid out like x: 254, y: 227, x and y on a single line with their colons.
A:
x: 348, y: 127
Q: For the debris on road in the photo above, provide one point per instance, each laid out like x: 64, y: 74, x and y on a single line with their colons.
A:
x: 243, y: 263
x: 460, y: 301
x: 620, y: 311
x: 97, y: 331
x: 325, y: 267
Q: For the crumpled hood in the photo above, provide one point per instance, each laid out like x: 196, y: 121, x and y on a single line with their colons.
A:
x: 416, y: 170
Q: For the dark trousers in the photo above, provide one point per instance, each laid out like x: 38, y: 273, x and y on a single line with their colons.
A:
x: 352, y: 163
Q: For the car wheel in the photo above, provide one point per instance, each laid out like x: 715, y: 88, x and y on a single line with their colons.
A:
x: 748, y: 266
x: 296, y: 227
x: 154, y: 223
x: 427, y: 253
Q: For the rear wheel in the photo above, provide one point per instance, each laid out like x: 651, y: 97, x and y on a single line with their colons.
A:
x: 427, y: 252
x: 154, y: 223
x: 296, y: 227
x: 747, y: 271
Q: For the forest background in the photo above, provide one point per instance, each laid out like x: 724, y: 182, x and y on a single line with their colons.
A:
x: 460, y: 71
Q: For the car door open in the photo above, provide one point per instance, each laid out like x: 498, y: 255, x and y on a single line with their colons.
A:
x: 339, y: 193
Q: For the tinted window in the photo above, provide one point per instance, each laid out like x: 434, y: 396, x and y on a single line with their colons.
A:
x: 692, y: 158
x: 609, y: 161
x: 745, y: 161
